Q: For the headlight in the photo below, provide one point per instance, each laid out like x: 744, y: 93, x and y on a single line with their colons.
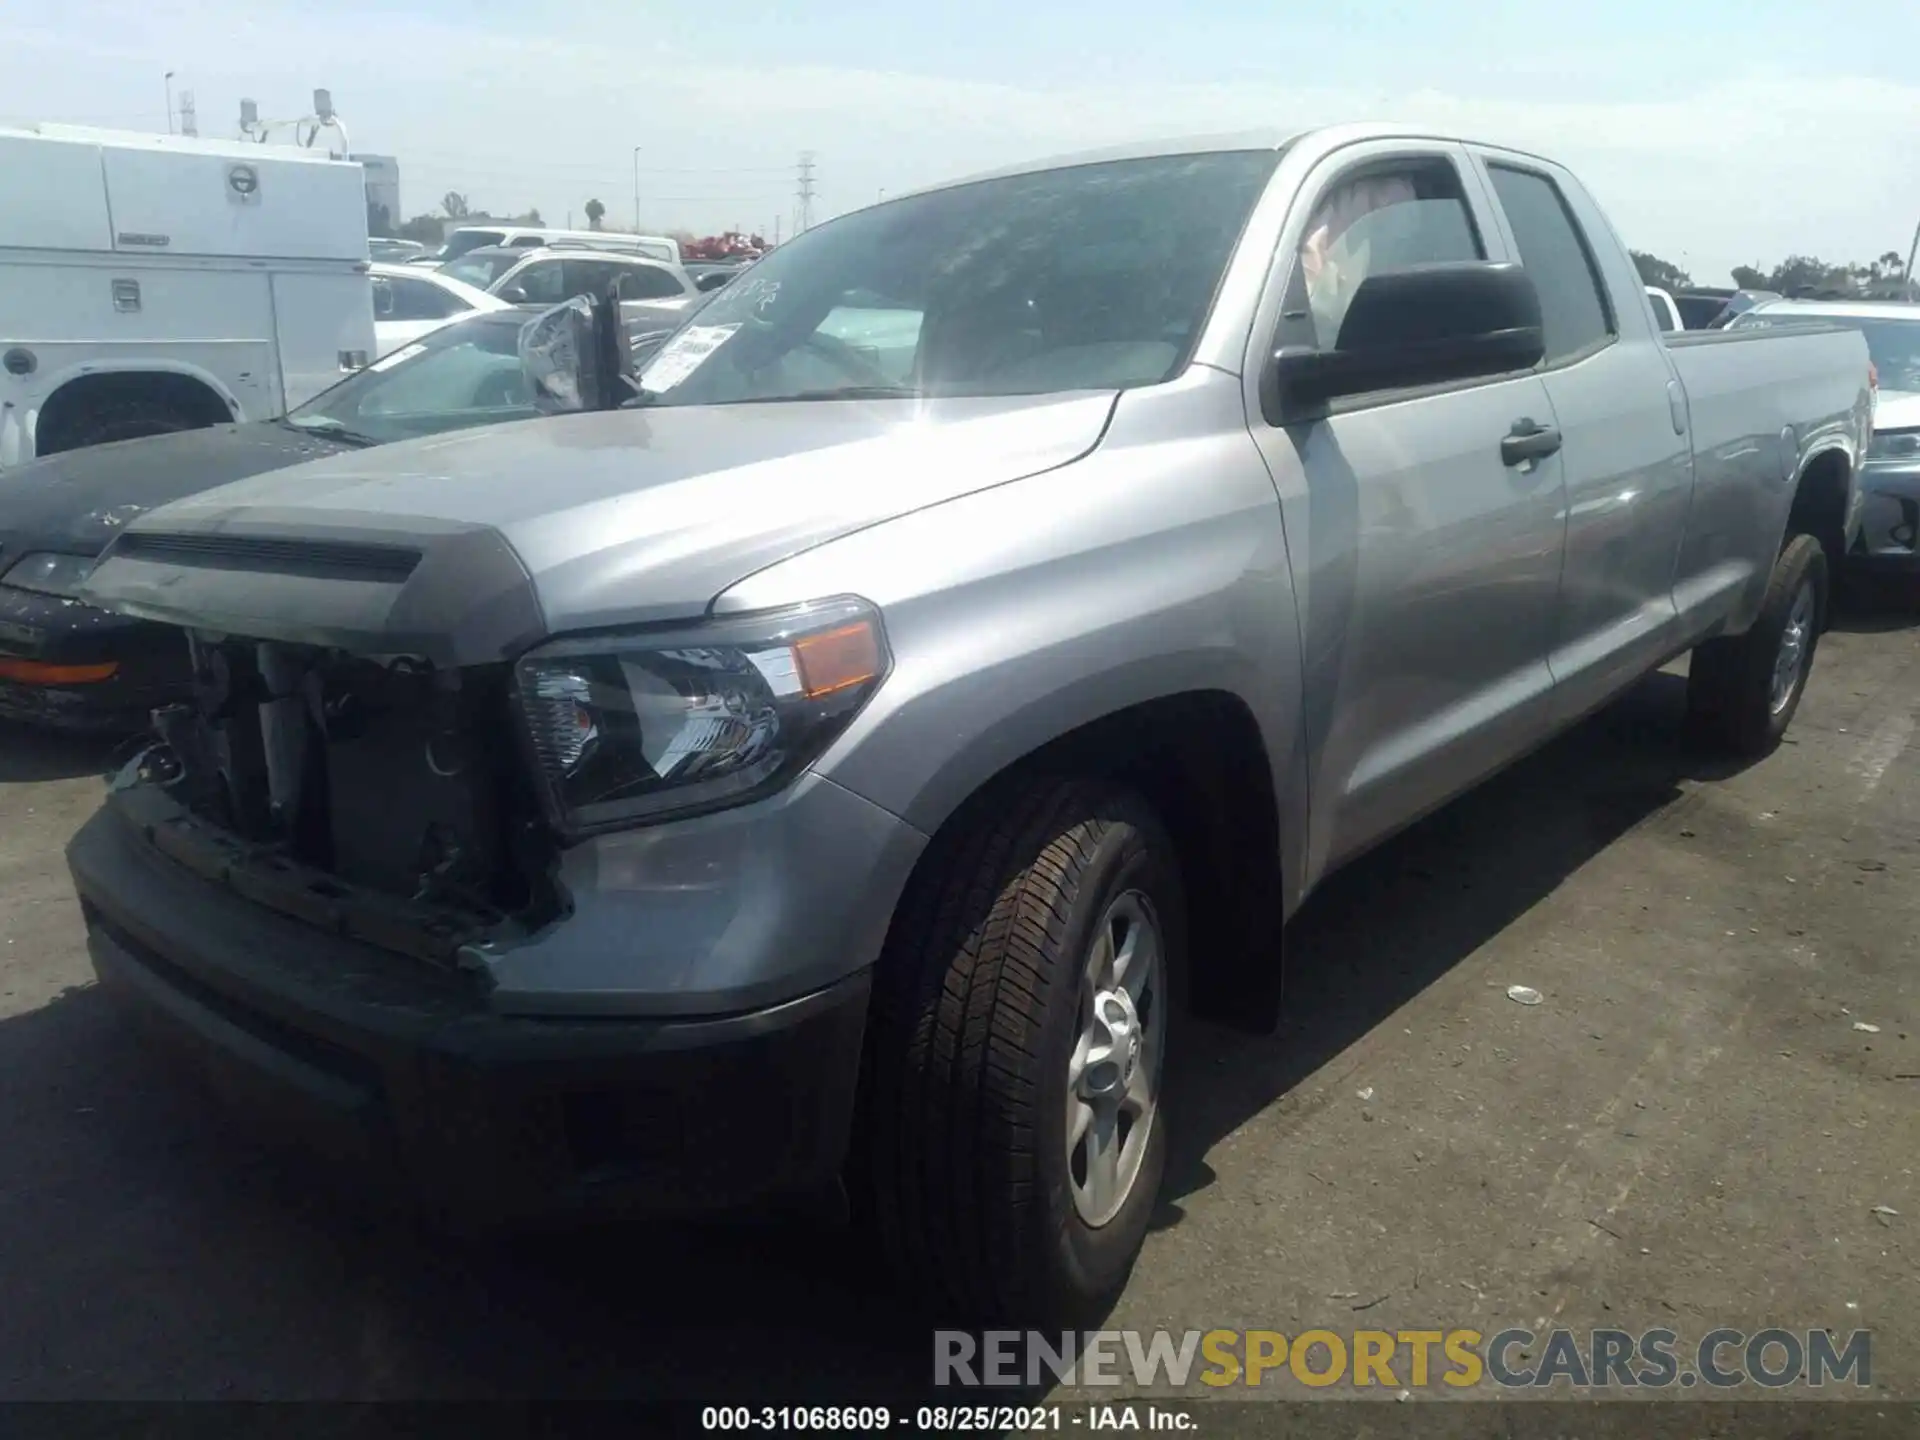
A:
x: 1894, y: 445
x: 637, y: 727
x: 48, y: 573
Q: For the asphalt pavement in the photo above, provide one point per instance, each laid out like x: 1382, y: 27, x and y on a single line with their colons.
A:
x: 1690, y: 1130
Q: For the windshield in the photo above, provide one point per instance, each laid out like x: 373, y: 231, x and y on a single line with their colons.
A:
x: 461, y: 241
x: 480, y: 271
x: 1892, y: 344
x: 464, y: 374
x: 1091, y: 277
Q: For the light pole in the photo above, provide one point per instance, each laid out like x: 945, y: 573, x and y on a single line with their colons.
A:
x: 1906, y: 275
x: 169, y: 102
x: 636, y: 189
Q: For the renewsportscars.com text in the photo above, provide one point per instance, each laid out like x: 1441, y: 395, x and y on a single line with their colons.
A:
x: 1516, y: 1358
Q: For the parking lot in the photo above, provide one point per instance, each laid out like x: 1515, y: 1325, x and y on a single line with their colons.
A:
x: 1690, y: 1130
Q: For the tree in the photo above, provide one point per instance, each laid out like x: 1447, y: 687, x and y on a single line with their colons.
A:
x: 1749, y: 278
x: 1890, y: 265
x: 379, y: 222
x: 455, y: 204
x: 1661, y: 274
x: 596, y: 212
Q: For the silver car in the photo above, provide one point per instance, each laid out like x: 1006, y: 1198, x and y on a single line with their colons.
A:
x: 1887, y: 538
x: 1002, y: 606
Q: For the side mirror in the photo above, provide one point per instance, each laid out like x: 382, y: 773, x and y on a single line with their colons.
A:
x: 712, y: 280
x: 576, y: 356
x: 1427, y: 325
x: 514, y: 294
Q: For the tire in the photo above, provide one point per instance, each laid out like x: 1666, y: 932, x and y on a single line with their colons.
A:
x: 979, y: 1013
x: 129, y: 419
x: 1735, y: 699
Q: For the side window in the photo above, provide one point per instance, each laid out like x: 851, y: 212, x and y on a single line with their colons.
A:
x: 526, y: 242
x: 647, y: 282
x: 1573, y: 307
x: 589, y: 277
x: 1389, y: 217
x: 541, y: 283
x: 421, y: 300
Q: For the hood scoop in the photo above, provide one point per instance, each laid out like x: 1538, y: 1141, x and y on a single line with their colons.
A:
x: 315, y: 559
x: 460, y: 597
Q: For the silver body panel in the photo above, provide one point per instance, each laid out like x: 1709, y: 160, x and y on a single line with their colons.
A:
x: 1399, y: 611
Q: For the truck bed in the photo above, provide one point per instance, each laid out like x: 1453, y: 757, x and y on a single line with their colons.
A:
x: 1743, y: 397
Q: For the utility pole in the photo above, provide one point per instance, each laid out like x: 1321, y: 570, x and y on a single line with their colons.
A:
x: 169, y: 102
x: 636, y: 189
x: 776, y: 230
x: 805, y: 193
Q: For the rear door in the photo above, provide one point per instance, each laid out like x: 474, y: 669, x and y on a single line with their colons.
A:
x: 1426, y: 565
x: 1623, y: 420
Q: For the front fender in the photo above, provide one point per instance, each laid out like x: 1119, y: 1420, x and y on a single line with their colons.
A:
x: 1155, y: 566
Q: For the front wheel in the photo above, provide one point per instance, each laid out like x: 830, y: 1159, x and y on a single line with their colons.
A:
x: 1023, y: 1021
x: 1743, y: 690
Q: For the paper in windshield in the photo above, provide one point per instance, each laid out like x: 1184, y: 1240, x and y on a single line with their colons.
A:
x: 683, y: 355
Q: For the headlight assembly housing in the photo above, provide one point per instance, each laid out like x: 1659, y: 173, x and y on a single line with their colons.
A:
x: 1896, y: 445
x: 49, y: 573
x: 648, y: 725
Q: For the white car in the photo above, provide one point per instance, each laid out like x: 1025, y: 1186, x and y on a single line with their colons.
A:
x: 408, y: 301
x: 525, y: 237
x: 547, y: 277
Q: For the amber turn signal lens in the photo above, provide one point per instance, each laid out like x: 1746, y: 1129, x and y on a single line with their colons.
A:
x: 835, y: 659
x: 33, y: 672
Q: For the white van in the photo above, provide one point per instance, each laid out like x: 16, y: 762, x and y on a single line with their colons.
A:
x: 522, y: 237
x: 152, y: 283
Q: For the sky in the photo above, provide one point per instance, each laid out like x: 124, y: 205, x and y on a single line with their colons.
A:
x: 1715, y: 133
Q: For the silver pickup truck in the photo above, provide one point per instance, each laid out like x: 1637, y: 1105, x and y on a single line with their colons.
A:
x: 998, y: 611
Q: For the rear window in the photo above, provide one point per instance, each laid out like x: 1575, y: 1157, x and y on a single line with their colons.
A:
x: 1573, y: 307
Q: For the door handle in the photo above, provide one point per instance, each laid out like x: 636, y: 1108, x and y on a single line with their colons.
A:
x: 1529, y: 440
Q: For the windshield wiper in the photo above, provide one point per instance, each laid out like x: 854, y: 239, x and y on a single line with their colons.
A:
x: 329, y: 428
x: 847, y: 392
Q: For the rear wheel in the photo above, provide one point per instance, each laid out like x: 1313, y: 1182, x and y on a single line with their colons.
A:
x: 1743, y: 690
x: 122, y: 419
x: 1018, y: 1057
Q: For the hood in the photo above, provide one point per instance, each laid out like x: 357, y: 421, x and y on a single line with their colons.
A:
x: 466, y: 548
x: 77, y: 501
x: 1896, y: 410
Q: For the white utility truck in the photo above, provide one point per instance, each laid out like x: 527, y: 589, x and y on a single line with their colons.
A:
x: 151, y: 283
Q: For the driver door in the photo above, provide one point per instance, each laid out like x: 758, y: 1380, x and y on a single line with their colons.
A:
x: 1426, y: 562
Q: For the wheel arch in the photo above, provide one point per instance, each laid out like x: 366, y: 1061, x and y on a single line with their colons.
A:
x: 1199, y: 758
x: 193, y: 388
x: 1822, y: 504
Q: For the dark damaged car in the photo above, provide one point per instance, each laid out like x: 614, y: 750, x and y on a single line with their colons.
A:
x: 66, y: 663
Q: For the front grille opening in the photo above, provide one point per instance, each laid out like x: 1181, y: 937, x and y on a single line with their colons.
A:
x: 383, y: 776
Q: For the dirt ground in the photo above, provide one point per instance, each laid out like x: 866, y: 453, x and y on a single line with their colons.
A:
x: 1688, y: 1131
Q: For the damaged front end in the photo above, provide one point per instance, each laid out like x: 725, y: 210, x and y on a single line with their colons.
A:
x: 377, y: 799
